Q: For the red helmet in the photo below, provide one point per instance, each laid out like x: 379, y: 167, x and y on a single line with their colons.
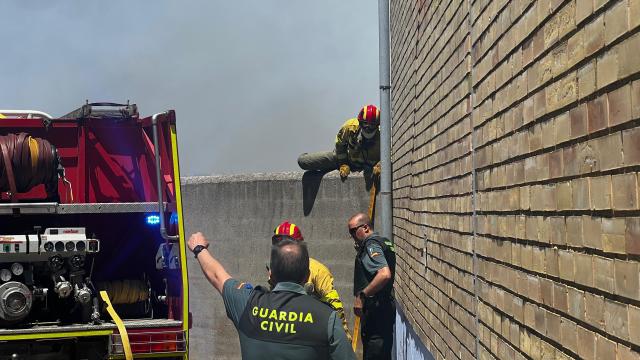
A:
x: 369, y: 114
x: 287, y: 229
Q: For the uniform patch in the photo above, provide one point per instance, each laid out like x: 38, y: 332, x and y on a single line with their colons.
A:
x: 373, y: 253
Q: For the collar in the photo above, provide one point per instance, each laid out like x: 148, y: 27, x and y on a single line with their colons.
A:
x: 289, y: 286
x: 363, y: 243
x: 375, y: 233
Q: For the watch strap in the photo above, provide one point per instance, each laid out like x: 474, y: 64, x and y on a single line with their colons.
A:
x: 198, y: 249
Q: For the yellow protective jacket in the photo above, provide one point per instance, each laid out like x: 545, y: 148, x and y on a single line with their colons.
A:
x: 351, y: 149
x: 323, y: 289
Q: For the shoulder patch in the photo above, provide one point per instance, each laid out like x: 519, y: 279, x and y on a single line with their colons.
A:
x: 372, y: 252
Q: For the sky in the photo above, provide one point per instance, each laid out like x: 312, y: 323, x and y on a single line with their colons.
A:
x: 254, y: 82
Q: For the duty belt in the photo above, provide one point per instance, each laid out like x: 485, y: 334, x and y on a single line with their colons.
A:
x: 378, y: 300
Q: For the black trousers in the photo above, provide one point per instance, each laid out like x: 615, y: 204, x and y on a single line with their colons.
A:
x: 377, y: 329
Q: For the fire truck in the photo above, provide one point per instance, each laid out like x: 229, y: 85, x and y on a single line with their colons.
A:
x: 92, y: 246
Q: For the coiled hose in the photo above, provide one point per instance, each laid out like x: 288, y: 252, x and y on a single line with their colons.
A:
x: 27, y: 161
x: 125, y: 291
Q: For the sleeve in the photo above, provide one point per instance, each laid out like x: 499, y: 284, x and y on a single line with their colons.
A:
x: 375, y: 259
x: 235, y: 297
x: 342, y: 141
x: 328, y: 294
x: 339, y: 345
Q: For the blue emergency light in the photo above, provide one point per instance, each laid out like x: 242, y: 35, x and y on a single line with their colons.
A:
x: 173, y: 220
x: 153, y: 220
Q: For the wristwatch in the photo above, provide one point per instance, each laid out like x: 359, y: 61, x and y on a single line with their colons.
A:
x: 198, y: 249
x: 362, y: 295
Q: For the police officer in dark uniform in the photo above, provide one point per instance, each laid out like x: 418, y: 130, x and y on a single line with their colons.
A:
x: 284, y: 323
x: 373, y: 288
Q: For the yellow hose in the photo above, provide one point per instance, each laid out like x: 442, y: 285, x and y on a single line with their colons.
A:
x: 356, y: 331
x: 33, y: 150
x: 372, y: 201
x: 124, y: 337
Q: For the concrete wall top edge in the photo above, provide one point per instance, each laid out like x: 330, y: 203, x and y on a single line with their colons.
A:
x: 292, y: 175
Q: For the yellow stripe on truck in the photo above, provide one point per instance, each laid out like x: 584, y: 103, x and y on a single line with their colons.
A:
x: 183, y: 246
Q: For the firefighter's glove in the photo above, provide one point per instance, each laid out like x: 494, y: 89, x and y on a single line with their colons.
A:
x: 344, y: 171
x: 377, y: 168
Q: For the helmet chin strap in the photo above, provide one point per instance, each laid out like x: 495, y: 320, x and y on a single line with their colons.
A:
x: 368, y: 135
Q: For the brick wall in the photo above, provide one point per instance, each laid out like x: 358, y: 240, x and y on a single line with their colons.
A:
x: 515, y: 149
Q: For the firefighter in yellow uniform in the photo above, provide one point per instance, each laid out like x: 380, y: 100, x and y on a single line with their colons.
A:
x: 357, y: 147
x: 320, y: 283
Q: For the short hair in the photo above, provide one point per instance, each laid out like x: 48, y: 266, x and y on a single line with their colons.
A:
x: 289, y: 261
x: 361, y: 219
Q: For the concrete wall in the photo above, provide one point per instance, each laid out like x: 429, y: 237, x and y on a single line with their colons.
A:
x: 515, y: 152
x: 238, y: 215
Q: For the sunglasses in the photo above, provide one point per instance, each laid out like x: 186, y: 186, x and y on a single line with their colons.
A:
x: 277, y: 238
x: 353, y: 230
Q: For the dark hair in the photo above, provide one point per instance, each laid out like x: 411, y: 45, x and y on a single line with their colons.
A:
x: 289, y: 261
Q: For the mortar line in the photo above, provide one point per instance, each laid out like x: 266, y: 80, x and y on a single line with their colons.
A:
x: 474, y: 179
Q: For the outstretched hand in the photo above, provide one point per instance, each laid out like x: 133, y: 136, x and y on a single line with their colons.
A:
x: 197, y: 239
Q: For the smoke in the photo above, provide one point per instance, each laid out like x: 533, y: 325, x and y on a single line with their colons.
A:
x: 254, y: 83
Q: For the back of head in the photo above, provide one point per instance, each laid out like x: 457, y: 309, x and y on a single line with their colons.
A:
x: 361, y: 218
x: 289, y: 261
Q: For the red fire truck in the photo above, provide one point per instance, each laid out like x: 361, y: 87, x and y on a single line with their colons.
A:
x: 92, y: 246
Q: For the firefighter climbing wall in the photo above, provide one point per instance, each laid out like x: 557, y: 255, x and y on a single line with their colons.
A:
x: 515, y: 149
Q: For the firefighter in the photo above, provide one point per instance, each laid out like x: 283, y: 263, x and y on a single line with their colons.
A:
x: 357, y: 147
x: 320, y: 283
x: 285, y: 323
x: 373, y: 276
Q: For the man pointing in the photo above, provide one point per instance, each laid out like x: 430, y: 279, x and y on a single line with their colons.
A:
x: 285, y: 323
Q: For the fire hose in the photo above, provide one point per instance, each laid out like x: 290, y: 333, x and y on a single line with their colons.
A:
x: 28, y: 161
x: 125, y: 291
